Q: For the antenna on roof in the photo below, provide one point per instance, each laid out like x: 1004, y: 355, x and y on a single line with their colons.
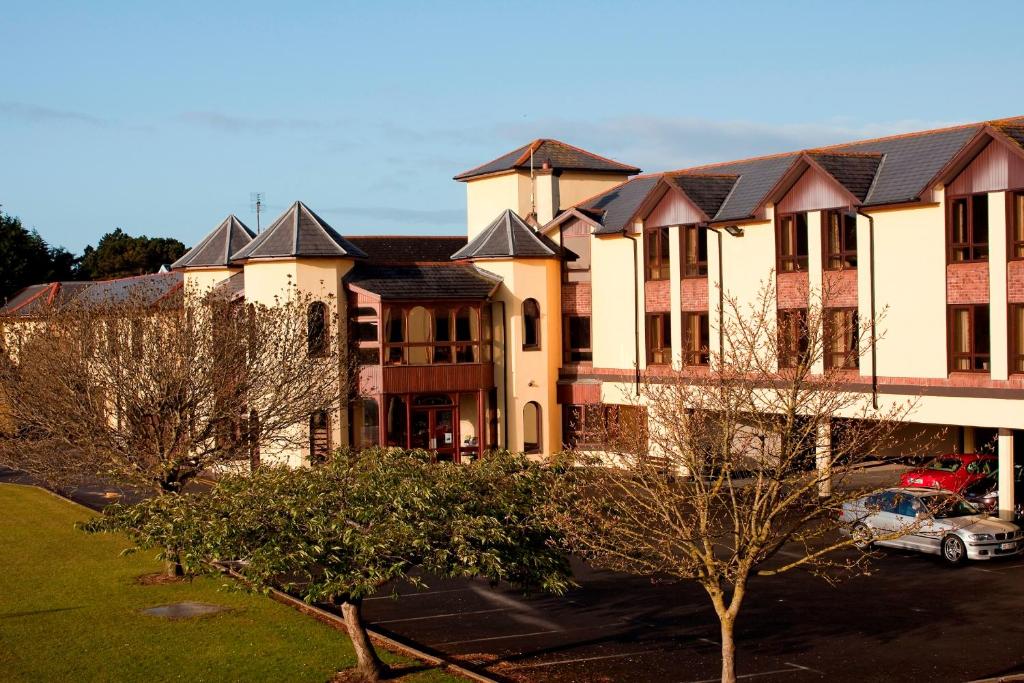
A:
x: 256, y: 201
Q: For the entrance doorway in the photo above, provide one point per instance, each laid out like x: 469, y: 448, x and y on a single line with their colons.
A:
x: 433, y: 427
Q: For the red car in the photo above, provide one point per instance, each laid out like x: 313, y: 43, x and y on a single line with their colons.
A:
x: 951, y: 472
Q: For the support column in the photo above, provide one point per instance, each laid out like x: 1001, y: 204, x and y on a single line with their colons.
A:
x: 823, y: 459
x: 815, y: 280
x: 1007, y: 503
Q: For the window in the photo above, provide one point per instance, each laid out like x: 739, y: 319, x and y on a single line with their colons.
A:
x: 1016, y: 337
x: 792, y: 337
x: 695, y: 251
x: 577, y: 339
x: 696, y: 338
x: 968, y: 228
x: 531, y: 427
x: 791, y: 242
x: 597, y: 426
x: 316, y: 328
x: 319, y: 436
x: 577, y: 270
x: 969, y: 338
x: 442, y: 336
x: 1016, y: 226
x: 659, y: 339
x: 366, y: 331
x: 840, y: 240
x: 656, y: 244
x: 531, y: 325
x: 467, y: 335
x: 365, y: 423
x: 842, y: 338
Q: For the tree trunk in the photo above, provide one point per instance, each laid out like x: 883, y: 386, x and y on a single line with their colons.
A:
x: 369, y: 664
x: 728, y: 651
x: 172, y: 564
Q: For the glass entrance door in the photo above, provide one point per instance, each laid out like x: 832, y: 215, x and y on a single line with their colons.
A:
x: 433, y: 429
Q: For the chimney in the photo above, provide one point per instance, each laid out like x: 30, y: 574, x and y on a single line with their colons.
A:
x: 547, y: 206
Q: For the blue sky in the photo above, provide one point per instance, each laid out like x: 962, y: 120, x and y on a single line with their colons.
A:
x: 161, y: 118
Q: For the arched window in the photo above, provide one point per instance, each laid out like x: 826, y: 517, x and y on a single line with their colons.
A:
x: 531, y: 427
x: 316, y: 328
x: 319, y: 436
x: 531, y: 324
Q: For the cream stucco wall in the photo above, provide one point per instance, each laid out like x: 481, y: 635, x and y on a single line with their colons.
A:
x: 199, y: 281
x: 532, y: 374
x: 272, y: 280
x: 613, y: 330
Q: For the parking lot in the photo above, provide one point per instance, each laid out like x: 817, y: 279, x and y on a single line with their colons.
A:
x: 912, y: 619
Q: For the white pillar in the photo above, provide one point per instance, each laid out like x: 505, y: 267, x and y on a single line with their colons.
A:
x: 815, y: 281
x: 675, y: 297
x: 997, y: 308
x: 1006, y: 472
x: 823, y: 459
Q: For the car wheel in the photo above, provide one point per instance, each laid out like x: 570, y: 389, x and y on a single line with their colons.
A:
x: 954, y: 552
x: 861, y: 536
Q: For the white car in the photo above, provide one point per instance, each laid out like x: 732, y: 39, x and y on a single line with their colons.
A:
x: 930, y: 521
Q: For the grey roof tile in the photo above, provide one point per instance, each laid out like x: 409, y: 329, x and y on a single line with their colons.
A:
x: 151, y: 289
x: 394, y: 249
x: 617, y: 205
x: 421, y: 282
x: 708, y: 192
x: 508, y: 236
x: 855, y: 172
x: 217, y: 247
x: 558, y: 155
x: 298, y: 232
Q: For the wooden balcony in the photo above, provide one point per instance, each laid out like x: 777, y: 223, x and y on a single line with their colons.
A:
x: 411, y: 379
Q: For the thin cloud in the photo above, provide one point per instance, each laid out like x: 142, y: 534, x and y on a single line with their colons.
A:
x: 32, y: 113
x: 231, y: 123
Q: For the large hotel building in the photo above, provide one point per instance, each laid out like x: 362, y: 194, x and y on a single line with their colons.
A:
x: 578, y: 274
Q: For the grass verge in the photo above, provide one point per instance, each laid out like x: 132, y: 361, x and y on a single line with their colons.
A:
x: 71, y: 609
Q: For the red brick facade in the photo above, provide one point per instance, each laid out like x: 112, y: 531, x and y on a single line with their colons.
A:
x: 657, y: 296
x: 576, y: 298
x: 694, y: 293
x: 1015, y: 282
x: 966, y: 283
x: 792, y: 290
x: 840, y: 288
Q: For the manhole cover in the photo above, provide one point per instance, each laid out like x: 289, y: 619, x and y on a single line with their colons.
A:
x: 184, y: 610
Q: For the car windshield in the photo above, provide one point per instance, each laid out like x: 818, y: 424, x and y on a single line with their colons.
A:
x: 945, y: 465
x: 945, y: 507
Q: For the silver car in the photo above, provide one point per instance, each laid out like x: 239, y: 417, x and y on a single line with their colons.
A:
x: 930, y: 521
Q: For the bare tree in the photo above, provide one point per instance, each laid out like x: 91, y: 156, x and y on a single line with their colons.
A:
x: 738, y: 459
x: 148, y: 390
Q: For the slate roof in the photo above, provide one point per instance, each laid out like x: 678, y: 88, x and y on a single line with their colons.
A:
x: 408, y: 249
x: 298, y: 232
x: 855, y: 172
x: 883, y: 171
x: 708, y: 192
x: 230, y: 288
x: 153, y: 288
x: 217, y: 247
x: 508, y: 236
x: 558, y: 155
x: 416, y: 282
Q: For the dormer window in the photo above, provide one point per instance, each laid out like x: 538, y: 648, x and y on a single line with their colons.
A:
x: 656, y: 243
x: 968, y: 228
x: 840, y: 240
x: 791, y: 242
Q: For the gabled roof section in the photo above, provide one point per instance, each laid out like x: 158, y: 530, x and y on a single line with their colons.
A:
x: 854, y: 171
x: 508, y: 236
x: 299, y: 233
x: 152, y: 289
x: 558, y: 155
x: 707, y: 192
x: 588, y: 216
x: 217, y: 247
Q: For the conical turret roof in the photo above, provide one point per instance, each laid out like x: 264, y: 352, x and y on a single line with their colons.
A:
x: 216, y: 248
x: 508, y: 236
x: 299, y: 232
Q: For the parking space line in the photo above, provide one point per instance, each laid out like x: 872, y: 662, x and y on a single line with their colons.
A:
x: 441, y: 616
x: 525, y: 635
x: 793, y: 668
x: 584, y: 659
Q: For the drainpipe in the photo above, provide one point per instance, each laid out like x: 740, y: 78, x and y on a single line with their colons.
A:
x: 504, y: 372
x: 874, y: 339
x: 636, y: 309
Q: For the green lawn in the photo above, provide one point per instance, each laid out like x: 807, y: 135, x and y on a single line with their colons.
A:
x: 70, y: 610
